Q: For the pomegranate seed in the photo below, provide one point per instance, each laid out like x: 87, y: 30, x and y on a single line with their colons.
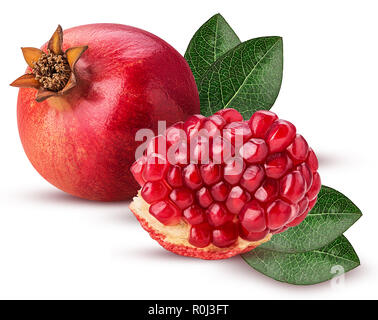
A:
x: 192, y: 176
x: 252, y: 217
x: 268, y: 191
x: 312, y: 161
x: 154, y: 191
x: 237, y: 199
x: 237, y: 133
x: 226, y: 235
x: 302, y: 216
x: 221, y: 150
x: 157, y: 145
x: 166, y: 212
x: 298, y: 219
x: 137, y: 170
x: 211, y: 173
x: 303, y: 205
x: 204, y: 197
x: 178, y: 154
x: 298, y: 150
x: 194, y: 215
x: 260, y: 122
x: 156, y: 168
x: 252, y: 178
x: 293, y: 187
x: 218, y: 120
x: 174, y: 177
x: 233, y: 171
x: 277, y: 164
x: 218, y: 215
x: 175, y: 133
x: 278, y: 214
x: 193, y: 124
x: 312, y: 203
x: 213, y: 125
x: 315, y: 187
x: 199, y: 148
x: 254, y: 151
x: 306, y: 173
x: 200, y: 235
x: 220, y: 191
x: 253, y: 236
x: 230, y: 115
x: 182, y: 197
x: 280, y: 135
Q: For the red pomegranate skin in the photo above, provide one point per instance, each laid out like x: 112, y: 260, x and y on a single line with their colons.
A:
x: 127, y: 79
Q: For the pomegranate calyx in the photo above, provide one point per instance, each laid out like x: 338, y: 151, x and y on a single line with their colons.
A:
x: 53, y: 72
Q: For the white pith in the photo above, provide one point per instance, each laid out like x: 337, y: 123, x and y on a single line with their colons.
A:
x: 179, y: 233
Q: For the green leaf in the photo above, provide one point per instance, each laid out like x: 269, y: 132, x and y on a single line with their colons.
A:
x: 332, y: 215
x: 213, y: 39
x: 306, y: 267
x: 247, y: 78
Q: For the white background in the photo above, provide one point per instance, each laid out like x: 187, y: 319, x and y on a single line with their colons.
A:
x: 55, y: 246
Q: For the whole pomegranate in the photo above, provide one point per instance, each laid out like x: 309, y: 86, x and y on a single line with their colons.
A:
x: 236, y: 184
x: 83, y: 99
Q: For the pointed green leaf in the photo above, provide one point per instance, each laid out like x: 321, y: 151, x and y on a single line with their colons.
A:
x: 306, y: 267
x: 247, y: 78
x: 332, y: 215
x: 214, y: 38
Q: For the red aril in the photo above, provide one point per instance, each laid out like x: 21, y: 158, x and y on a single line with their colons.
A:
x: 204, y: 197
x: 260, y: 122
x: 293, y: 187
x: 298, y: 150
x: 277, y: 164
x: 192, y: 176
x: 280, y: 135
x: 252, y: 217
x: 211, y: 173
x: 182, y: 197
x: 312, y: 193
x: 218, y: 215
x: 230, y: 115
x: 278, y: 214
x: 200, y: 235
x: 252, y: 178
x: 267, y: 191
x: 225, y: 235
x: 312, y: 161
x: 220, y: 191
x: 174, y: 177
x: 233, y: 171
x: 254, y: 151
x: 194, y: 215
x: 236, y: 199
x: 154, y: 191
x: 166, y: 212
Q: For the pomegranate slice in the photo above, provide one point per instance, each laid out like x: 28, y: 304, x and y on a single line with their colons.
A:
x: 216, y: 210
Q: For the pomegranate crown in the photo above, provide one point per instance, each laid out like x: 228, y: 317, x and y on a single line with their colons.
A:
x: 52, y: 72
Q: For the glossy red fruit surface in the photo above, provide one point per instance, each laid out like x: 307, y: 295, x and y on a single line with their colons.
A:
x: 231, y: 205
x: 225, y: 235
x: 200, y: 235
x: 260, y: 122
x: 127, y: 79
x: 194, y: 215
x: 280, y: 135
x: 154, y: 191
x: 166, y: 212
